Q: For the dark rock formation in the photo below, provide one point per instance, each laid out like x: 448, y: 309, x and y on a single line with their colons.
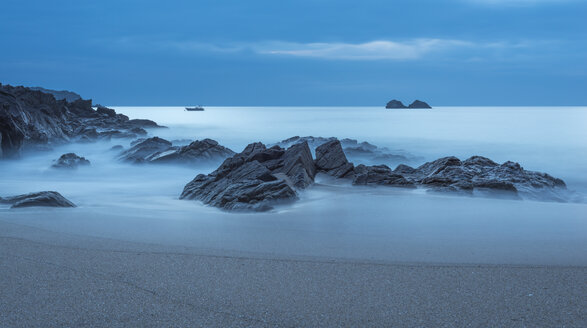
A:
x: 330, y: 159
x: 259, y: 177
x: 419, y: 104
x: 379, y: 175
x: 43, y: 198
x: 157, y: 150
x: 360, y: 152
x: 70, y: 161
x: 30, y: 117
x: 481, y: 175
x: 255, y: 179
x: 59, y: 95
x: 145, y: 148
x: 117, y: 148
x: 395, y: 104
x: 199, y: 151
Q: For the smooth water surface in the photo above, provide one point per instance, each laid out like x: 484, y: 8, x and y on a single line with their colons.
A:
x: 140, y: 203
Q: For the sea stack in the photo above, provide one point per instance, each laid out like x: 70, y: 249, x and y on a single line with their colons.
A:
x: 419, y: 104
x: 395, y: 104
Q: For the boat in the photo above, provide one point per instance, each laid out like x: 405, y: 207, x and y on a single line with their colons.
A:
x: 194, y: 109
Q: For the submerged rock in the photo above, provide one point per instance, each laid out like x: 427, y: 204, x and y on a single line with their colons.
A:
x: 70, y: 161
x: 379, y: 175
x: 199, y: 151
x: 145, y: 148
x: 158, y: 150
x: 419, y: 104
x: 482, y: 175
x: 255, y: 179
x: 42, y: 198
x: 395, y: 104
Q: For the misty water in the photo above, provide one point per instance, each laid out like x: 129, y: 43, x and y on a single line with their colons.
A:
x: 140, y: 202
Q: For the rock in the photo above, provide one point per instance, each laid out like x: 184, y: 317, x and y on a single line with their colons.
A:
x: 43, y: 198
x: 30, y: 116
x: 255, y: 179
x: 419, y: 104
x: 139, y: 131
x: 59, y: 95
x: 395, y: 104
x: 379, y: 175
x: 157, y: 150
x: 142, y: 123
x: 142, y: 150
x: 330, y: 159
x: 116, y: 148
x: 481, y: 175
x: 106, y: 111
x: 259, y: 177
x: 70, y: 161
x: 360, y: 152
x: 199, y: 151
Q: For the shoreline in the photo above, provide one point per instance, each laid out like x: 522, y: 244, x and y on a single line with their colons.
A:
x: 58, y: 279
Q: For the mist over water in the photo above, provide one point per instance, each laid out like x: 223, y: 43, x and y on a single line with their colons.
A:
x: 140, y: 202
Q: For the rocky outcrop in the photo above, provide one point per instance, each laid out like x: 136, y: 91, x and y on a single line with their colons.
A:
x: 157, y: 150
x: 395, y: 104
x: 419, y: 104
x: 360, y: 152
x: 59, y: 95
x: 31, y: 117
x: 398, y: 104
x: 43, y: 198
x: 260, y: 177
x: 255, y: 179
x: 197, y: 152
x: 379, y: 175
x: 480, y: 175
x: 330, y: 159
x: 70, y: 161
x: 145, y: 148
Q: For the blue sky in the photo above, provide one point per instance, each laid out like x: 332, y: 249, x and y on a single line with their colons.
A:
x: 303, y: 52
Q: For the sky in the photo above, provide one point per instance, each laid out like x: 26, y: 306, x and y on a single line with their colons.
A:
x: 300, y: 53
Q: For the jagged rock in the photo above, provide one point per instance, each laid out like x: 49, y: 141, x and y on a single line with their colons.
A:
x: 361, y: 152
x: 106, y: 111
x: 199, y: 151
x: 395, y: 104
x: 255, y: 179
x: 157, y: 150
x: 70, y: 161
x: 59, y: 95
x: 482, y: 175
x: 330, y: 159
x: 28, y: 117
x: 379, y: 175
x: 142, y: 150
x: 43, y: 198
x: 419, y: 104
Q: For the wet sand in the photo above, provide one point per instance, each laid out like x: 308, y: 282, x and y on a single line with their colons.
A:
x: 55, y: 279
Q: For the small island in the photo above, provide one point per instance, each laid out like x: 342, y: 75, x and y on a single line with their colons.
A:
x: 417, y: 104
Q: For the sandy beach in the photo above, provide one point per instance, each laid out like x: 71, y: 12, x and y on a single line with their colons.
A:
x: 51, y: 279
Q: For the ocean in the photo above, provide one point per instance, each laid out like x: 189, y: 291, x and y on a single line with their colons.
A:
x: 140, y: 203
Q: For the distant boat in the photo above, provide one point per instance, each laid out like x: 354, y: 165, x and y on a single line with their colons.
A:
x: 194, y: 109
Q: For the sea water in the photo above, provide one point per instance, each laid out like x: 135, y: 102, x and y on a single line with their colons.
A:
x: 140, y: 203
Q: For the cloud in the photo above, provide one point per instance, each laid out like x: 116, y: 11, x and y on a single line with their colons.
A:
x: 377, y: 50
x: 374, y: 50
